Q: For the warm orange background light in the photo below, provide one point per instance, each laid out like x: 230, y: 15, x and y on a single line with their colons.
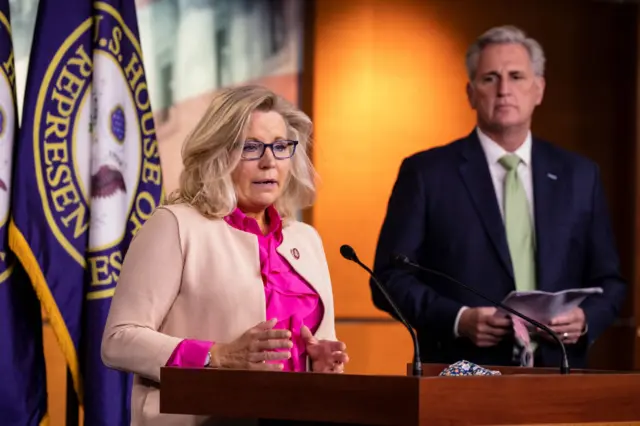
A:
x: 389, y: 81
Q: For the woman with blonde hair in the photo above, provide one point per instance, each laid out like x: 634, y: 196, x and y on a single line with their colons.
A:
x: 224, y: 276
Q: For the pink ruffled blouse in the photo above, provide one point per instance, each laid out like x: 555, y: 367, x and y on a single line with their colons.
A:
x: 288, y: 297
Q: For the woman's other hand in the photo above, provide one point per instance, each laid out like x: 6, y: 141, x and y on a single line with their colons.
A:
x: 326, y: 356
x: 254, y: 349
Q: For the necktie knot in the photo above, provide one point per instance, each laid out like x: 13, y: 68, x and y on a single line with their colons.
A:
x: 510, y: 161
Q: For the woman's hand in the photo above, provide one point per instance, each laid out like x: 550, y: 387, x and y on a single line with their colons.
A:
x: 254, y: 348
x: 326, y: 356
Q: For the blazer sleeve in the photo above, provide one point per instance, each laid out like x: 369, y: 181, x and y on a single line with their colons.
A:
x: 148, y: 285
x: 403, y: 231
x: 602, y: 267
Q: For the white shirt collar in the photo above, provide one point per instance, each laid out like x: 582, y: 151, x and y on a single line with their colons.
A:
x: 494, y: 152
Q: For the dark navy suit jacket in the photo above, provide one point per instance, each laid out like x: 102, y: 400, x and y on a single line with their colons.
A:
x: 443, y: 214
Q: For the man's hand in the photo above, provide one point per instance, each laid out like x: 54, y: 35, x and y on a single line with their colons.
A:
x: 569, y: 327
x: 483, y: 327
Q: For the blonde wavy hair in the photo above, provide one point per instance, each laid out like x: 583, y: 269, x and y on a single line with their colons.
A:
x: 212, y: 151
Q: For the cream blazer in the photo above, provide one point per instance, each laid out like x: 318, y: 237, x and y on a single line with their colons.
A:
x: 186, y: 276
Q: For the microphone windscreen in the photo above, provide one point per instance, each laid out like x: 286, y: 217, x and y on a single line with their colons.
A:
x: 348, y: 252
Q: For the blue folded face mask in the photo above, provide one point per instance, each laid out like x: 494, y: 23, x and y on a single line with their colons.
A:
x: 466, y: 368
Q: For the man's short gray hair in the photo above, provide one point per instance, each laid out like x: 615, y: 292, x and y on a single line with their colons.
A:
x: 502, y: 35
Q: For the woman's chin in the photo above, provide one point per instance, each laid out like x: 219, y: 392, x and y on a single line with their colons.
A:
x: 264, y: 199
x: 257, y: 204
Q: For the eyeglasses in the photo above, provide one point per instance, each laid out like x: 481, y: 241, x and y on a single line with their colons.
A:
x: 254, y: 150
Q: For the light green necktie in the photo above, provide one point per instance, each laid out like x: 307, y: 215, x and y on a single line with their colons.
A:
x: 517, y: 220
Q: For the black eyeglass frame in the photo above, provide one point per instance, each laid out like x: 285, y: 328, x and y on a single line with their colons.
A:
x: 270, y: 146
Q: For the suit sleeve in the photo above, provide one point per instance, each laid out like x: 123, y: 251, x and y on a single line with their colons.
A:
x: 148, y: 285
x: 602, y: 269
x: 404, y: 231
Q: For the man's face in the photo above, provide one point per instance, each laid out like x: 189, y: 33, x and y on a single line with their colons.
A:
x: 505, y: 90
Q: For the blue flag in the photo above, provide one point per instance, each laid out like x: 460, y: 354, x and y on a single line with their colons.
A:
x: 87, y: 177
x: 23, y: 387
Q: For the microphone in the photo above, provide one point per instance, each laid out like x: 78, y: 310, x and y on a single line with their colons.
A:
x: 402, y: 260
x: 350, y: 254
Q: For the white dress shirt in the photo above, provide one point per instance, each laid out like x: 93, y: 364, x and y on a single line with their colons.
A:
x: 493, y: 152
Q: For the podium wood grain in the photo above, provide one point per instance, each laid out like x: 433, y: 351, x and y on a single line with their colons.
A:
x: 510, y: 399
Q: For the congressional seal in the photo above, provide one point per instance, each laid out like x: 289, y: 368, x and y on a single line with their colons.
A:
x: 97, y: 158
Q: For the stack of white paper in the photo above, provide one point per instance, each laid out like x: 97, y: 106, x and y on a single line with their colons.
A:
x: 543, y: 306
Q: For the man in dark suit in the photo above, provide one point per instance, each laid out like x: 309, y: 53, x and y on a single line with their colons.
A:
x: 499, y: 210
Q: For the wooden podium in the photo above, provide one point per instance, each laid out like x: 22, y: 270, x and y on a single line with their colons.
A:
x: 520, y: 396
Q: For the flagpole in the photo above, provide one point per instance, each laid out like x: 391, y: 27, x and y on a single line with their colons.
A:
x: 72, y: 402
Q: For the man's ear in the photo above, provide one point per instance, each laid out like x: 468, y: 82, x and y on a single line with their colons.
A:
x: 471, y: 95
x: 541, y: 84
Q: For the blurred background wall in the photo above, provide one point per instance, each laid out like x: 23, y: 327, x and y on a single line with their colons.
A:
x: 383, y: 79
x: 194, y: 47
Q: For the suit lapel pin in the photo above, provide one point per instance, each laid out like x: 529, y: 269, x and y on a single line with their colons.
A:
x: 552, y: 176
x: 295, y: 253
